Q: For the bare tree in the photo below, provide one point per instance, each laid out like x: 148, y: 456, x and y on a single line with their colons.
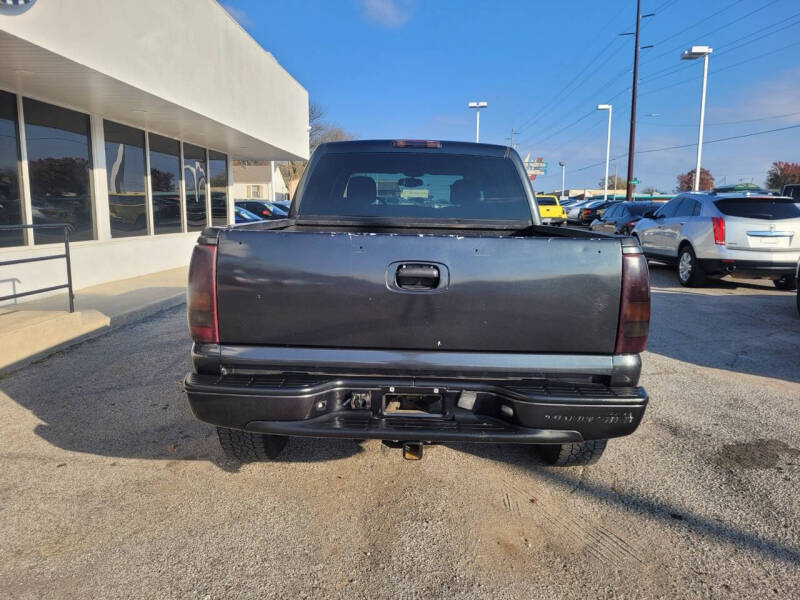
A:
x: 614, y: 182
x: 319, y: 132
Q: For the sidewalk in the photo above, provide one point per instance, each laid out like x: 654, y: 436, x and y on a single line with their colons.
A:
x: 32, y: 330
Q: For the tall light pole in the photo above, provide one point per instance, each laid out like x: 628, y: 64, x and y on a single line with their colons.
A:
x: 607, y: 107
x: 563, y: 166
x: 477, y: 106
x: 691, y: 54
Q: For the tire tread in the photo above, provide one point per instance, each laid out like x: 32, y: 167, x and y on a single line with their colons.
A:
x: 244, y: 446
x: 576, y: 454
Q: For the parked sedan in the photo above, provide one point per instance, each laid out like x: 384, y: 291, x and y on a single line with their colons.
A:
x: 738, y: 234
x: 284, y: 204
x: 263, y: 209
x: 593, y: 210
x: 243, y: 215
x: 574, y: 211
x: 622, y: 217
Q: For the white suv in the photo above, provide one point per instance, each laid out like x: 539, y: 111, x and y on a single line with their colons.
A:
x: 748, y: 235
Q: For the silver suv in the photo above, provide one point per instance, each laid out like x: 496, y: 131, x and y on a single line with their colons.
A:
x: 749, y: 235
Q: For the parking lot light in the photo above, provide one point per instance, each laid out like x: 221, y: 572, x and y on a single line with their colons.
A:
x: 478, y: 106
x: 609, y: 108
x: 690, y: 54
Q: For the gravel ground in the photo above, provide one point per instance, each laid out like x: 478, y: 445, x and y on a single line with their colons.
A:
x: 110, y: 489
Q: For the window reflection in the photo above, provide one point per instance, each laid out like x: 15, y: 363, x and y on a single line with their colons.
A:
x: 218, y: 174
x: 194, y: 175
x: 10, y: 201
x: 165, y: 178
x: 59, y: 159
x: 125, y: 172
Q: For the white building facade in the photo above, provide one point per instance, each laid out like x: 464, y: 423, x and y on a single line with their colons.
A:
x: 122, y: 119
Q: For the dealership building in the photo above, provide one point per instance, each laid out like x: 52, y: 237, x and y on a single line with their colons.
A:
x: 122, y: 119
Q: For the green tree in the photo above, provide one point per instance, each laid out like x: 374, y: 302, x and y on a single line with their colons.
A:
x: 781, y: 173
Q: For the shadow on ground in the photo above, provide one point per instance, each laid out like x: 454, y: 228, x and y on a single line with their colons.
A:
x: 734, y: 325
x: 572, y: 481
x: 120, y: 396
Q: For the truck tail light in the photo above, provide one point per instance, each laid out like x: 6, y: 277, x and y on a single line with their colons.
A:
x: 719, y: 230
x: 201, y: 297
x: 634, y: 313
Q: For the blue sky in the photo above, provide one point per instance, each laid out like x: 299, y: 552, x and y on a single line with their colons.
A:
x: 407, y: 68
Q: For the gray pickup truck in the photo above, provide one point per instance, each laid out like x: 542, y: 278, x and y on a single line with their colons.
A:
x: 413, y: 296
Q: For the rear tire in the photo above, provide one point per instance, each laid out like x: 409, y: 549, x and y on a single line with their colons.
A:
x: 787, y: 282
x: 690, y: 273
x: 250, y: 447
x: 572, y: 455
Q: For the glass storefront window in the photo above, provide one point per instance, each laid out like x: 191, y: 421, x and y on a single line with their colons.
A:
x: 165, y: 181
x: 218, y: 177
x: 59, y: 159
x: 10, y: 200
x: 125, y: 172
x: 195, y: 183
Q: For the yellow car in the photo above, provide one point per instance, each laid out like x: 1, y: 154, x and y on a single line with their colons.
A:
x: 551, y: 211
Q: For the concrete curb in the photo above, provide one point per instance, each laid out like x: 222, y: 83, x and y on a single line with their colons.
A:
x: 115, y: 322
x: 137, y: 314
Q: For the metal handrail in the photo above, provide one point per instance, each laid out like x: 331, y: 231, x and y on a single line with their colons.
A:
x: 67, y: 228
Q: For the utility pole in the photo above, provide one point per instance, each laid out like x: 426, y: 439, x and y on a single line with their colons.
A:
x: 511, y: 138
x: 632, y: 135
x: 634, y: 92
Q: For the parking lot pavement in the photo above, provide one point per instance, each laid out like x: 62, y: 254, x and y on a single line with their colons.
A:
x: 110, y: 488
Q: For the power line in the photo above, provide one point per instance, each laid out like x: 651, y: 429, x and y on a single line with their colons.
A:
x: 724, y: 68
x: 718, y: 123
x: 696, y: 24
x: 560, y: 96
x: 665, y: 148
x: 664, y: 6
x: 682, y: 82
x: 724, y: 49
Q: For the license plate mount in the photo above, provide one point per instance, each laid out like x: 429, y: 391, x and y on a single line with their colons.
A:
x: 413, y: 405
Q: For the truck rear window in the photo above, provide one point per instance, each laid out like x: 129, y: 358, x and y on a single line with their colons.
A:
x: 545, y: 201
x: 416, y: 185
x: 759, y: 208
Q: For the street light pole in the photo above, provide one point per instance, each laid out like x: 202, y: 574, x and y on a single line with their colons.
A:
x: 563, y: 166
x: 477, y: 106
x: 691, y: 54
x: 609, y: 108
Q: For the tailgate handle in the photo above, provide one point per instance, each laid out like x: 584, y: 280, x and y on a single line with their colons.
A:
x: 417, y: 276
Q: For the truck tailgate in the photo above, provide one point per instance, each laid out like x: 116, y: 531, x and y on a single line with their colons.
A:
x: 307, y: 289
